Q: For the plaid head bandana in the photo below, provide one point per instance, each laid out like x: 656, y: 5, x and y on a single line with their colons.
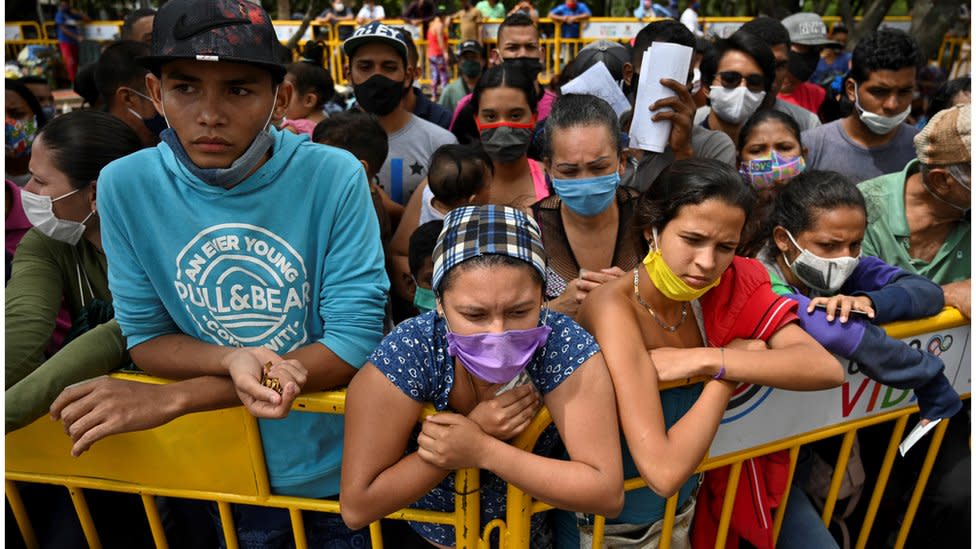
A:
x: 473, y: 231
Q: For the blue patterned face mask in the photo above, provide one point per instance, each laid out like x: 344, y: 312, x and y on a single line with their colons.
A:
x: 588, y: 196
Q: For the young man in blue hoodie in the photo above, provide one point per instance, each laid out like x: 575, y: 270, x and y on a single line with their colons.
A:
x: 233, y: 245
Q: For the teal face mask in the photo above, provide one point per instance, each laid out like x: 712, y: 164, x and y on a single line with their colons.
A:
x: 424, y: 300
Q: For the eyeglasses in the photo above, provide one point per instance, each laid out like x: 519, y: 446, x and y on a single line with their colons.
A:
x: 732, y: 79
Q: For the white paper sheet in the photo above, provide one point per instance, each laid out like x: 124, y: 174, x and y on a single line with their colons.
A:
x: 661, y: 60
x: 598, y: 81
x: 916, y: 435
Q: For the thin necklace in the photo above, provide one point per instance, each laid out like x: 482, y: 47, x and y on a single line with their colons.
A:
x: 668, y: 328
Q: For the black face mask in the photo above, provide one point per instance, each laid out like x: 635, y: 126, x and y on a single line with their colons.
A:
x: 630, y: 90
x: 155, y: 125
x: 379, y: 95
x: 531, y: 65
x: 803, y: 65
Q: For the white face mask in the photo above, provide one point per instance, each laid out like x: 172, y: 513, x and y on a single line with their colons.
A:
x: 819, y: 273
x: 39, y: 210
x: 879, y: 124
x: 734, y: 106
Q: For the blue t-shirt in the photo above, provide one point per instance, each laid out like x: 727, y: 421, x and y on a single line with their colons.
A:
x: 570, y: 30
x: 66, y: 19
x: 826, y: 72
x: 414, y: 358
x: 288, y: 257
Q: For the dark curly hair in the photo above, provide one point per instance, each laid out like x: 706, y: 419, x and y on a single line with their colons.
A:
x: 886, y: 49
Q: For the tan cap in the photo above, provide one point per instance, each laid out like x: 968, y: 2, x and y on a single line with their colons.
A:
x: 945, y: 139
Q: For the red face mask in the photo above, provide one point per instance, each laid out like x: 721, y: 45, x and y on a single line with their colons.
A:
x: 571, y: 5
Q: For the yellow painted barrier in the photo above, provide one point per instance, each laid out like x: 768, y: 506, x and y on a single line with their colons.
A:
x: 215, y: 456
x: 519, y: 521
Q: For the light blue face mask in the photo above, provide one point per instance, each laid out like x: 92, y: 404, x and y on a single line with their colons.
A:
x: 239, y: 169
x: 588, y: 196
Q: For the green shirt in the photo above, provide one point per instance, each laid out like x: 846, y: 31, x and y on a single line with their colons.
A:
x: 887, y: 236
x: 497, y: 12
x: 45, y: 271
x: 452, y: 94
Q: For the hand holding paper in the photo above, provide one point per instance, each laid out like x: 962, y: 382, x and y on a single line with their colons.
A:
x: 662, y: 60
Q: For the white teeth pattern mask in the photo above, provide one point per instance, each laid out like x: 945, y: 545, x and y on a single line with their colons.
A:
x: 819, y: 273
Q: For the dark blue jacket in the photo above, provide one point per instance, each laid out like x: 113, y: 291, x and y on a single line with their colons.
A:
x: 896, y: 295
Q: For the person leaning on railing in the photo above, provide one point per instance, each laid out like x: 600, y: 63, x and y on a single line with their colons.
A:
x: 691, y: 309
x: 485, y: 358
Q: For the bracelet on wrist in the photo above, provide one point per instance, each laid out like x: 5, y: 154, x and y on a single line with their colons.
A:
x: 721, y: 371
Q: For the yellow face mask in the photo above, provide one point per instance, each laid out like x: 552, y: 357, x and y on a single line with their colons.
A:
x: 668, y: 283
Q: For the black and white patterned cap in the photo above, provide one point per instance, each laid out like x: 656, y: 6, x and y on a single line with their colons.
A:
x: 473, y: 231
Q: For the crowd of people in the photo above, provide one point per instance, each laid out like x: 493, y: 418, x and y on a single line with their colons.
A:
x: 216, y: 218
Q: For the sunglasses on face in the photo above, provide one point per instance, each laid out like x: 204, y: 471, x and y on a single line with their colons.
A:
x: 732, y: 79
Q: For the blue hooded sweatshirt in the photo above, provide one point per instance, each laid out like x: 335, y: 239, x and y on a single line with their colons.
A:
x: 288, y: 257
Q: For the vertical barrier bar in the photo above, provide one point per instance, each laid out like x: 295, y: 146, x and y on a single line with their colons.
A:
x: 298, y: 528
x: 781, y: 510
x: 599, y: 529
x: 923, y: 479
x: 731, y: 487
x: 881, y: 484
x: 467, y: 508
x: 20, y: 515
x: 84, y: 516
x: 376, y: 535
x: 670, y: 509
x: 840, y: 469
x: 227, y: 524
x: 155, y: 523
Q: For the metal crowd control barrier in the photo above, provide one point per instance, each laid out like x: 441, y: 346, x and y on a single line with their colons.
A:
x: 18, y: 34
x: 557, y: 50
x: 521, y: 506
x: 217, y: 456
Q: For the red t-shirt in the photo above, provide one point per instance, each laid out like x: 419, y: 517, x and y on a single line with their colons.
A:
x: 806, y: 95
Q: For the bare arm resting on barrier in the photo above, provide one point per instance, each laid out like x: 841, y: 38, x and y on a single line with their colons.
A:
x: 583, y: 410
x: 665, y: 458
x: 793, y: 361
x: 377, y: 478
x: 178, y: 356
x: 105, y: 406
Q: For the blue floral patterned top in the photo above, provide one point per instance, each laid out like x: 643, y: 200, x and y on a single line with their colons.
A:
x: 414, y: 358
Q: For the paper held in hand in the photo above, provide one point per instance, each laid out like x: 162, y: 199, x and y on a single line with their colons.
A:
x: 661, y: 60
x: 598, y: 81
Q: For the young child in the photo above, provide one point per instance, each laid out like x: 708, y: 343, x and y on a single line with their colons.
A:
x: 422, y: 243
x: 458, y: 175
x: 313, y: 89
x: 814, y: 256
x: 360, y: 133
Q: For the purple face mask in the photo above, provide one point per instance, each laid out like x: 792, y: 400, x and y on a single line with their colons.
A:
x: 497, y: 358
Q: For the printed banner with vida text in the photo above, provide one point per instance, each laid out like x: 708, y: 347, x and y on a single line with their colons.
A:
x: 759, y: 415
